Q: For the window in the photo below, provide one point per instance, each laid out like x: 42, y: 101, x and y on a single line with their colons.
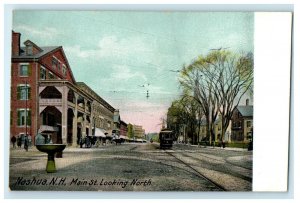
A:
x: 21, y: 117
x: 64, y: 70
x: 247, y: 102
x: 23, y: 92
x: 248, y: 124
x: 59, y: 66
x: 24, y: 70
x: 42, y: 73
x: 51, y: 76
x: 55, y: 63
x: 29, y: 49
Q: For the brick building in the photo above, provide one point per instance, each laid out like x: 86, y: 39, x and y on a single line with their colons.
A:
x: 123, y: 128
x: 242, y: 124
x: 45, y: 96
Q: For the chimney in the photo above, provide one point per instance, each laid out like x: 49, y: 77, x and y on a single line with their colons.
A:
x: 247, y: 102
x: 15, y: 44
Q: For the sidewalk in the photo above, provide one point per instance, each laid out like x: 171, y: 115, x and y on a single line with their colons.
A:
x: 216, y: 147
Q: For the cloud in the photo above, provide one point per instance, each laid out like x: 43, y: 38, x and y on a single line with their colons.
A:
x: 122, y: 72
x: 46, y: 32
x: 110, y: 46
x: 78, y: 52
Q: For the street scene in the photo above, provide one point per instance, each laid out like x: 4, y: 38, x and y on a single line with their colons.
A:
x: 134, y: 167
x: 131, y: 101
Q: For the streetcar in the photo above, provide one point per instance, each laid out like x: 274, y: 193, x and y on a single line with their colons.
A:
x: 166, y: 138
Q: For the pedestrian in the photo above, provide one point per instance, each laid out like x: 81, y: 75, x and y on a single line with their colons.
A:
x: 223, y: 144
x: 87, y: 142
x: 26, y: 143
x: 80, y: 142
x: 19, y: 142
x: 13, y: 140
x: 29, y: 141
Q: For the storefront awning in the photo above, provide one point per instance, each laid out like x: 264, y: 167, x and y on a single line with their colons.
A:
x: 124, y: 137
x: 99, y: 132
x: 47, y: 129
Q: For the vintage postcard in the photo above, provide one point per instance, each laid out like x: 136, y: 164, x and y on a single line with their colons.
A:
x: 131, y: 101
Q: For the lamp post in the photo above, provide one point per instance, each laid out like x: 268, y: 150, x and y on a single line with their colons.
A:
x: 94, y: 126
x: 25, y: 122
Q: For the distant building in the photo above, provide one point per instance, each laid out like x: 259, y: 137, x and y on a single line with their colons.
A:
x: 123, y: 128
x: 139, y: 132
x: 218, y: 130
x: 102, y: 112
x: 202, y: 131
x: 242, y: 124
x: 117, y: 122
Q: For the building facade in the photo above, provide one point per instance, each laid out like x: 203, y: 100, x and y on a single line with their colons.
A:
x: 218, y: 131
x: 117, y: 123
x: 139, y: 132
x: 242, y: 124
x: 123, y: 128
x: 101, y: 112
x: 46, y: 98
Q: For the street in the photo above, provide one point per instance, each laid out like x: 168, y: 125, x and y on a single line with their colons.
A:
x: 134, y: 167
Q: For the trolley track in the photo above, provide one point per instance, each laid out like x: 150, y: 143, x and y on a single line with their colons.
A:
x: 238, y: 175
x: 197, y: 173
x: 228, y: 162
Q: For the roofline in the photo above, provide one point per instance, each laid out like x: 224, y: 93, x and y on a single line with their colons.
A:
x: 36, y: 46
x: 67, y: 62
x: 18, y: 58
x: 110, y: 106
x: 124, y: 122
x: 70, y: 69
x: 35, y: 59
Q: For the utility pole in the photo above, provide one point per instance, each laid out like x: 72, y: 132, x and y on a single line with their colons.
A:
x: 26, y: 97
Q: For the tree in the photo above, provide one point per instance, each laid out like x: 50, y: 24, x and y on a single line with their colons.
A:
x: 130, y: 132
x: 185, y: 113
x: 197, y: 85
x: 232, y: 77
x: 217, y: 82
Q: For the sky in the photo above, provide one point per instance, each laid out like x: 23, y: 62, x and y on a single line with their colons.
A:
x: 123, y: 54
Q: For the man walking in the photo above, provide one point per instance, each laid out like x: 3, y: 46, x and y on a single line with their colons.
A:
x: 19, y: 141
x: 26, y: 143
x: 13, y: 140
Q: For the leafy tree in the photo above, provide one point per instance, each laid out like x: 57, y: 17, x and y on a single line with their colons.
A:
x: 130, y: 132
x: 185, y: 113
x: 217, y: 82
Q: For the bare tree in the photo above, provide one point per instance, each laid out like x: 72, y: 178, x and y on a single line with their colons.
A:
x: 197, y: 82
x: 232, y: 77
x: 217, y: 82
